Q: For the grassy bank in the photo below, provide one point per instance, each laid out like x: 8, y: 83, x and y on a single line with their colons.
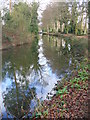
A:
x: 70, y: 100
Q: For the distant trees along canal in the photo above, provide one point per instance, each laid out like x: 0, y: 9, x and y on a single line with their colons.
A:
x: 66, y: 17
x: 21, y: 20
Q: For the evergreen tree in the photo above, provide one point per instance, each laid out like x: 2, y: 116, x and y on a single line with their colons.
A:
x: 34, y: 18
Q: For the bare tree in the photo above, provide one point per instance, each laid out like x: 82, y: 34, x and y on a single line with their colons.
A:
x: 10, y: 7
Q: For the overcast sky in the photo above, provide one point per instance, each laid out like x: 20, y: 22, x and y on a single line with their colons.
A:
x: 43, y: 3
x: 4, y: 3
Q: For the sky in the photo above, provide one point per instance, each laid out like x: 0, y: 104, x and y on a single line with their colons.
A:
x: 43, y: 3
x: 4, y: 3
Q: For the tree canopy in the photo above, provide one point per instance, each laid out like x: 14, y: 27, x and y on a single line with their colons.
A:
x: 66, y: 17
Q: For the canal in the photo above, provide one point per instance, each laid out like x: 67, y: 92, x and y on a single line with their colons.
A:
x: 30, y: 72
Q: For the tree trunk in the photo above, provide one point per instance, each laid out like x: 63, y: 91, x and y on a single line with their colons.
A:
x: 85, y: 30
x: 10, y: 7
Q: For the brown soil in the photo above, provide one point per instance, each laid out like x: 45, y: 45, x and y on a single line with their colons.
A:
x: 8, y: 45
x: 16, y: 39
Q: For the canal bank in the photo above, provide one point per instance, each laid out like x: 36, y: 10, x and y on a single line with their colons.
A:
x: 72, y: 36
x: 71, y: 98
x: 15, y: 41
x: 8, y: 45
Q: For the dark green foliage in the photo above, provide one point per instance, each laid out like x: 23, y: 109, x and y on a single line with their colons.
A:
x: 22, y: 21
x: 20, y: 17
x: 34, y: 19
x: 59, y: 30
x: 63, y: 91
x: 7, y: 18
x: 7, y: 38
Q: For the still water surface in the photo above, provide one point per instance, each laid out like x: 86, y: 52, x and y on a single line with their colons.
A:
x: 30, y: 72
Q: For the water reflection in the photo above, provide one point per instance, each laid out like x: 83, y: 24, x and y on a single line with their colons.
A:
x: 63, y: 43
x: 31, y: 71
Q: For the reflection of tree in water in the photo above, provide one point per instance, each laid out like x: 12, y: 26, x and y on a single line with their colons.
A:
x: 21, y: 57
x: 22, y: 60
x: 25, y: 62
x: 60, y: 51
x: 55, y: 53
x: 24, y: 70
x: 17, y: 99
x: 68, y: 46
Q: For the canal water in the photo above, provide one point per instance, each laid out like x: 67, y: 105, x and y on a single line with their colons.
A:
x: 30, y: 72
